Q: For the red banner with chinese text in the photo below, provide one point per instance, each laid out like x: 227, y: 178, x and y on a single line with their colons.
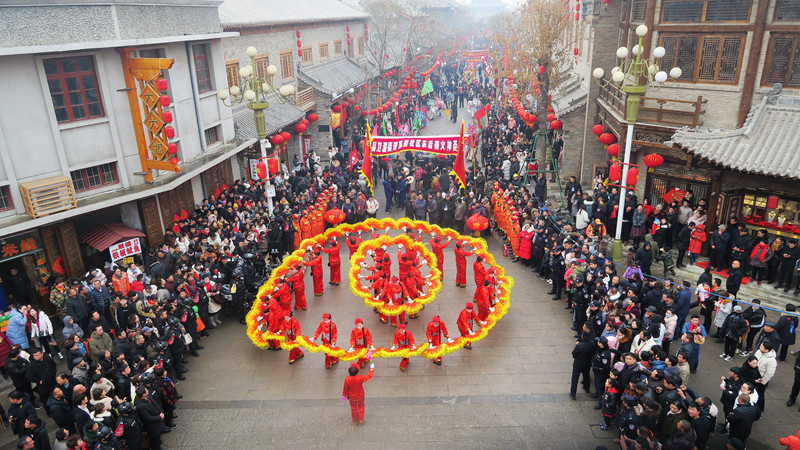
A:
x: 389, y: 145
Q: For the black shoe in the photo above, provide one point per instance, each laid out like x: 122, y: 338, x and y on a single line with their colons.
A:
x: 184, y: 370
x: 598, y: 406
x: 786, y: 290
x: 166, y: 429
x: 181, y: 377
x: 795, y: 293
x: 594, y: 396
x: 184, y: 361
x: 567, y: 307
x: 175, y: 417
x: 555, y: 297
x: 200, y: 347
x: 777, y: 286
x: 572, y: 396
x: 576, y: 336
x: 790, y: 402
x: 573, y: 328
x: 180, y: 396
x: 195, y: 354
x: 551, y: 292
x: 210, y: 327
x: 242, y: 321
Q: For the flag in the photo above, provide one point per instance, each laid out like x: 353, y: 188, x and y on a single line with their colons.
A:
x: 427, y: 87
x: 353, y: 157
x: 366, y: 165
x: 458, y: 167
x: 480, y: 116
x: 336, y: 120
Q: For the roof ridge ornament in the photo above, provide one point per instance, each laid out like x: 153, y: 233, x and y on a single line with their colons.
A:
x: 772, y: 96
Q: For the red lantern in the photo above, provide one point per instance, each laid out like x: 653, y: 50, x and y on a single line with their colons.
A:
x: 653, y: 160
x: 541, y: 69
x: 165, y: 101
x: 274, y: 165
x: 578, y: 7
x: 613, y: 150
x: 174, y: 161
x: 364, y: 113
x: 299, y: 44
x: 633, y: 176
x: 551, y: 117
x: 577, y: 16
x: 477, y: 223
x: 532, y: 118
x: 336, y: 108
x: 299, y: 53
x: 550, y: 108
x: 304, y: 122
x: 334, y: 216
x: 261, y: 170
x: 169, y: 131
x: 345, y: 104
x: 162, y: 84
x: 277, y: 140
x: 167, y: 116
x: 597, y: 130
x: 613, y: 172
x: 356, y: 108
x: 172, y: 148
x: 297, y: 33
x: 607, y: 138
x: 576, y: 51
x: 373, y: 111
x: 286, y: 136
x: 556, y: 125
x: 313, y: 117
x: 299, y: 128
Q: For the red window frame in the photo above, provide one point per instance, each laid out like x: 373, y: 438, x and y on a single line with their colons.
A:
x: 94, y: 177
x: 6, y: 202
x: 74, y: 89
x: 202, y: 69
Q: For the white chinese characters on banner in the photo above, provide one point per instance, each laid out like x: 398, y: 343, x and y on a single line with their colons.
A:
x: 125, y: 249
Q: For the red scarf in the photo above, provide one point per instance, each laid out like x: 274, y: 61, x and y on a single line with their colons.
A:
x: 759, y: 251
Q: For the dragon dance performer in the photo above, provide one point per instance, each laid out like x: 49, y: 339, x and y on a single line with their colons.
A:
x: 395, y: 293
x: 299, y: 287
x: 327, y: 330
x: 403, y: 339
x: 360, y: 338
x: 352, y: 243
x: 435, y: 330
x: 466, y: 321
x: 461, y: 263
x: 290, y: 330
x: 314, y: 259
x: 438, y: 250
x: 334, y: 261
x: 479, y: 274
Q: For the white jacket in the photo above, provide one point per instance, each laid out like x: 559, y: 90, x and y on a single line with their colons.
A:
x: 766, y: 365
x: 43, y: 327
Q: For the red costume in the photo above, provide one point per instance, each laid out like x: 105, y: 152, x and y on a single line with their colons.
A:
x: 299, y: 287
x: 327, y: 330
x: 290, y: 328
x: 461, y: 265
x: 284, y: 295
x: 354, y: 391
x: 316, y: 272
x: 484, y: 300
x: 360, y: 338
x: 275, y: 320
x: 465, y: 322
x: 394, y: 293
x: 438, y: 250
x: 435, y: 330
x: 404, y: 263
x: 353, y: 243
x: 403, y: 339
x: 334, y: 262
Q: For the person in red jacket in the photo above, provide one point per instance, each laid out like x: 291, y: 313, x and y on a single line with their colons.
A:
x: 403, y: 339
x: 435, y: 330
x: 352, y: 243
x: 791, y: 442
x: 438, y: 250
x: 284, y: 294
x: 290, y: 330
x: 314, y: 259
x: 484, y: 300
x: 335, y: 263
x: 327, y: 329
x: 360, y: 338
x: 376, y: 281
x: 299, y: 287
x: 404, y: 263
x: 461, y: 264
x: 394, y: 293
x: 465, y: 323
x: 275, y: 319
x: 479, y: 274
x: 354, y: 391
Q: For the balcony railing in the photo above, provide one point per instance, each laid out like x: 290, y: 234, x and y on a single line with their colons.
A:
x: 305, y: 98
x: 659, y: 111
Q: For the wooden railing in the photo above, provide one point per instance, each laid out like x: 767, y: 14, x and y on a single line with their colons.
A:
x: 305, y: 98
x: 660, y: 111
x: 48, y: 196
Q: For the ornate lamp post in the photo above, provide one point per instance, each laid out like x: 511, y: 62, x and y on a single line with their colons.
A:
x: 633, y: 75
x: 255, y: 91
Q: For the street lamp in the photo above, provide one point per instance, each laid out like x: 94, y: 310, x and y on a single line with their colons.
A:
x: 255, y: 91
x: 633, y: 75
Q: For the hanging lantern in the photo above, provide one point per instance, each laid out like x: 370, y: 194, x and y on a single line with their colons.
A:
x: 597, y: 130
x: 477, y: 223
x: 652, y: 161
x: 313, y: 117
x: 551, y: 117
x: 172, y: 148
x: 162, y: 84
x: 299, y: 44
x: 336, y: 108
x: 261, y: 170
x: 297, y: 33
x: 541, y: 69
x: 334, y: 216
x: 305, y: 122
x: 613, y: 173
x: 274, y: 165
x: 167, y: 116
x: 169, y: 131
x: 373, y: 112
x: 613, y: 150
x: 633, y: 176
x: 276, y: 140
x: 174, y: 161
x: 299, y: 128
x: 364, y: 113
x: 556, y: 125
x: 345, y: 104
x: 550, y: 108
x: 607, y: 138
x: 300, y: 53
x: 286, y: 136
x: 576, y: 51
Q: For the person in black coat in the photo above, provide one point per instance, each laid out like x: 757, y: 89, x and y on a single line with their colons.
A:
x: 80, y: 412
x: 789, y: 253
x: 684, y: 237
x: 42, y: 373
x: 61, y: 410
x: 582, y: 361
x: 741, y: 244
x: 20, y: 409
x: 36, y: 430
x: 740, y: 421
x: 735, y: 327
x: 151, y: 415
x: 787, y: 330
x: 719, y: 242
x: 644, y: 256
x: 16, y: 367
x: 700, y: 424
x: 735, y: 276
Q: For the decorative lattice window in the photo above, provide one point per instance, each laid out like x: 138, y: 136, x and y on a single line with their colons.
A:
x: 783, y: 61
x: 704, y: 58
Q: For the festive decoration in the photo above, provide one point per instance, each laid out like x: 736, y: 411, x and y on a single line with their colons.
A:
x: 652, y: 161
x: 276, y: 140
x: 336, y: 108
x: 274, y: 164
x: 613, y: 172
x: 613, y: 150
x: 633, y: 176
x: 261, y: 170
x: 503, y: 290
x: 313, y: 117
x: 556, y: 125
x: 607, y: 138
x: 334, y: 216
x: 772, y: 202
x: 477, y: 223
x: 597, y: 130
x: 299, y: 128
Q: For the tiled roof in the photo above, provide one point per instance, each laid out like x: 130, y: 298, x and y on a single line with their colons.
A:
x: 334, y: 76
x: 277, y: 116
x: 250, y: 13
x: 767, y: 143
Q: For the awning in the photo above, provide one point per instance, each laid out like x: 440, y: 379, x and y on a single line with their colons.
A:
x: 277, y: 116
x: 335, y: 76
x: 103, y: 236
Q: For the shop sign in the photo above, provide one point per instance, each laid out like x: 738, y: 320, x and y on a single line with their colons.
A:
x: 19, y: 245
x: 125, y: 249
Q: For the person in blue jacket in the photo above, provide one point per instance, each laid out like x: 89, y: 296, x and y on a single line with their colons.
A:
x: 16, y: 326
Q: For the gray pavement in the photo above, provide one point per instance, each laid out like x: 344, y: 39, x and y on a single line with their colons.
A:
x: 510, y: 391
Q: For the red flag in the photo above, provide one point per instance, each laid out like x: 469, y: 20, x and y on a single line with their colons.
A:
x: 176, y: 218
x: 366, y: 165
x: 184, y: 214
x: 458, y: 167
x: 353, y: 158
x: 217, y: 193
x: 224, y: 188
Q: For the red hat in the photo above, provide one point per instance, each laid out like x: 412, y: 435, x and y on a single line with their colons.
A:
x: 436, y: 319
x: 469, y: 305
x: 394, y: 279
x: 326, y: 316
x: 355, y: 365
x: 401, y: 326
x: 359, y: 321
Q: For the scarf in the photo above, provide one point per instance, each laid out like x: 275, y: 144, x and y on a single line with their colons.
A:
x: 759, y: 251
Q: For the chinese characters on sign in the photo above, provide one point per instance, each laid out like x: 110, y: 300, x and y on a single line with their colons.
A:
x: 19, y: 245
x: 125, y: 249
x: 387, y: 145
